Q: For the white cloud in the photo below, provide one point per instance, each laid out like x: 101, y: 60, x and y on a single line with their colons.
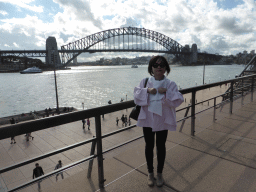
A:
x: 15, y: 45
x: 186, y: 21
x: 24, y: 4
x: 3, y: 12
x: 24, y: 33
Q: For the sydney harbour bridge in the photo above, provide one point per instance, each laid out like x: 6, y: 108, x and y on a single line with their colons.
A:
x: 126, y: 39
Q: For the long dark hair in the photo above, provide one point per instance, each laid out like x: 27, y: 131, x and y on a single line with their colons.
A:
x: 153, y: 61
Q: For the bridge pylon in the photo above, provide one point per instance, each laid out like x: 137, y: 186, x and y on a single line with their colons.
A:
x: 52, y: 53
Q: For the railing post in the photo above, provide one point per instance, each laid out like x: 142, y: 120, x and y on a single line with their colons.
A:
x: 214, y: 110
x: 91, y: 161
x: 242, y: 101
x: 252, y: 88
x: 193, y: 111
x: 242, y: 87
x: 99, y: 152
x: 231, y: 97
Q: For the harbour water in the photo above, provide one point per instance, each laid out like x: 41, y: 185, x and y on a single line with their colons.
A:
x: 93, y: 85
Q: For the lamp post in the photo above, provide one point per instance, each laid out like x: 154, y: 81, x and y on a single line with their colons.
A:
x: 56, y: 87
x: 204, y: 70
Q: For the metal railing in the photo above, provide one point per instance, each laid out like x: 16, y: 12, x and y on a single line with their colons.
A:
x: 40, y: 124
x: 249, y: 68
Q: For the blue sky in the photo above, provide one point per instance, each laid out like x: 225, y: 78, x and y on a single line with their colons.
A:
x: 217, y: 26
x: 229, y: 4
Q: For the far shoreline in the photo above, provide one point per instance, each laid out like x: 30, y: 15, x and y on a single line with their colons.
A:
x: 69, y: 67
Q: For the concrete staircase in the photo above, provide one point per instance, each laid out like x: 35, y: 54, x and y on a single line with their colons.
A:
x: 250, y: 69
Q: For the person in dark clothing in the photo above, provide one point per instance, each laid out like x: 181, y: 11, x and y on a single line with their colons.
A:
x: 13, y: 140
x: 12, y: 121
x: 123, y: 120
x: 37, y: 172
x: 59, y: 165
x: 117, y: 121
x: 28, y: 135
x: 83, y: 121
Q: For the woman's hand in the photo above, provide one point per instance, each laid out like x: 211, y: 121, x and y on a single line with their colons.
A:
x: 152, y: 91
x: 162, y: 90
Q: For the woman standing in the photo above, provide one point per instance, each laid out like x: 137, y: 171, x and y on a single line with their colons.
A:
x: 158, y: 101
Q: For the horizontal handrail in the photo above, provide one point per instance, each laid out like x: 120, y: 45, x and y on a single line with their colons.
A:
x: 52, y: 173
x: 45, y: 155
x: 44, y: 123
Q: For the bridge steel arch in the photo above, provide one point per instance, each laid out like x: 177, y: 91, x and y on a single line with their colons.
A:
x: 84, y: 44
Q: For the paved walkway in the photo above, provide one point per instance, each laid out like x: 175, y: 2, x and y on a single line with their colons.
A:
x: 219, y: 158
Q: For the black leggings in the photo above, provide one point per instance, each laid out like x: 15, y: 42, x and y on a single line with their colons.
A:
x: 149, y: 137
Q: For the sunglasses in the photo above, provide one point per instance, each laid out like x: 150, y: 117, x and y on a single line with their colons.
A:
x: 155, y: 65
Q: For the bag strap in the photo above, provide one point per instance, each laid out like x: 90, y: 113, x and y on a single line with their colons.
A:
x: 146, y: 82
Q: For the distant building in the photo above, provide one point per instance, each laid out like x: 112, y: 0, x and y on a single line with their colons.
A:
x: 252, y: 52
x: 245, y: 52
x: 187, y: 47
x: 194, y: 57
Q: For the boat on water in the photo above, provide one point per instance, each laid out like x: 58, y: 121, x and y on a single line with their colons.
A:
x: 134, y: 66
x: 31, y: 70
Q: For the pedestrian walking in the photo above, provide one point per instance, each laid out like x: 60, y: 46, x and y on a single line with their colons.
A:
x: 122, y: 119
x: 117, y: 121
x: 88, y: 123
x: 37, y: 172
x: 83, y: 121
x: 13, y: 140
x: 12, y: 121
x: 129, y: 121
x: 125, y: 120
x: 158, y: 100
x: 28, y: 135
x: 59, y: 165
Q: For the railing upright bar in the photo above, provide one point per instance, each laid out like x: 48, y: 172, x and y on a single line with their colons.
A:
x: 193, y: 111
x: 242, y: 87
x: 242, y: 101
x: 214, y: 110
x: 252, y: 89
x: 91, y: 161
x: 99, y: 152
x: 231, y: 97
